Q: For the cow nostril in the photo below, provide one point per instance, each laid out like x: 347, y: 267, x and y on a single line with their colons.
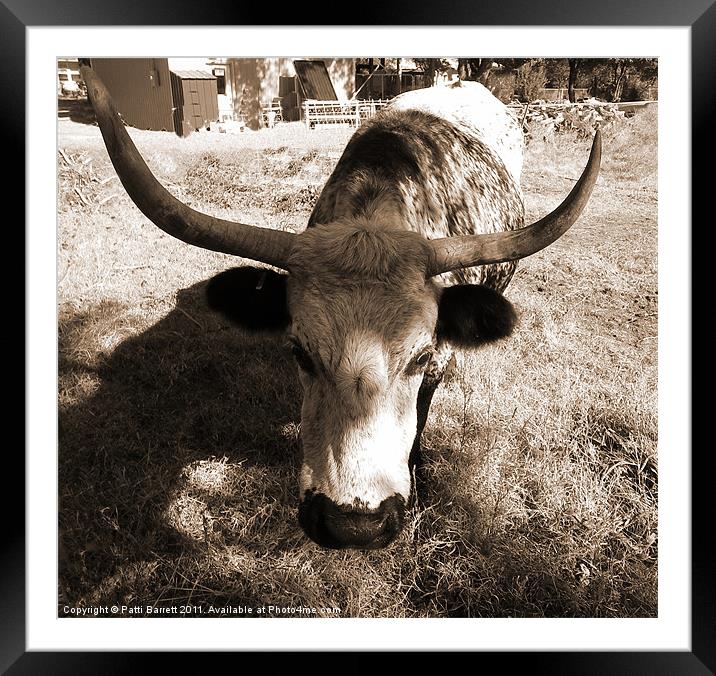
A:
x: 355, y: 528
x: 334, y: 526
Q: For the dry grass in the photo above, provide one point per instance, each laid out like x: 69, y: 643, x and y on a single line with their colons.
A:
x: 179, y: 439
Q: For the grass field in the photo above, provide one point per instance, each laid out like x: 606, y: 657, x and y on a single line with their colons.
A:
x: 178, y: 435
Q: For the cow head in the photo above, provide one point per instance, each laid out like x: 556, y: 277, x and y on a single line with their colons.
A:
x: 364, y: 317
x: 364, y: 321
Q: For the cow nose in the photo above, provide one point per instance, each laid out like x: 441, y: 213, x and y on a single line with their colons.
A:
x: 339, y: 526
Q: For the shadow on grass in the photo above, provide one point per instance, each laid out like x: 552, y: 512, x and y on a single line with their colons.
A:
x: 178, y: 461
x: 142, y: 415
x: 76, y: 109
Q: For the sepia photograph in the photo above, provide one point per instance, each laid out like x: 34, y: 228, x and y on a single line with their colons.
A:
x: 361, y: 337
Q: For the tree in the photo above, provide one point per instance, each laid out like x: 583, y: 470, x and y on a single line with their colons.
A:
x: 479, y: 70
x: 620, y: 69
x: 531, y: 79
x: 431, y: 67
x: 475, y: 69
x: 574, y: 65
x: 557, y: 72
x: 611, y: 78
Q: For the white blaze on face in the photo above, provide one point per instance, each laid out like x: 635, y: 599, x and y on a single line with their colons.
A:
x: 361, y: 308
x: 358, y: 424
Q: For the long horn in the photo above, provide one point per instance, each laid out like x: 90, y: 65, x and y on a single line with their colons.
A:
x: 167, y: 212
x: 464, y: 251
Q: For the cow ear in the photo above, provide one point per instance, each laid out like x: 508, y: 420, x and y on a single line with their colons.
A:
x: 472, y: 314
x: 253, y: 298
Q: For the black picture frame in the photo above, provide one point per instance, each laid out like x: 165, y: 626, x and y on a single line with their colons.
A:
x: 699, y: 15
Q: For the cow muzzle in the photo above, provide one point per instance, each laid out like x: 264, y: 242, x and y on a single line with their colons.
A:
x: 342, y: 527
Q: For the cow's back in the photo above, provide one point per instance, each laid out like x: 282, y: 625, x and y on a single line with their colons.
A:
x: 442, y: 161
x: 471, y: 105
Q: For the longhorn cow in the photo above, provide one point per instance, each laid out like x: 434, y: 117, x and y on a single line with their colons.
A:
x: 408, y: 249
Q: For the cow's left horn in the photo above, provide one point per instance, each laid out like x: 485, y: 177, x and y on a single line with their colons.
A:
x: 167, y: 212
x: 452, y: 253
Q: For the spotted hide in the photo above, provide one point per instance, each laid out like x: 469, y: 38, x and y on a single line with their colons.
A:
x: 441, y: 161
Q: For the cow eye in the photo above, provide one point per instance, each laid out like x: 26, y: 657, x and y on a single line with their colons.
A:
x: 302, y: 359
x: 423, y: 358
x: 419, y: 362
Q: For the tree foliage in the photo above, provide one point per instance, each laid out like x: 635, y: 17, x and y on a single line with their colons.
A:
x: 508, y: 78
x: 620, y: 79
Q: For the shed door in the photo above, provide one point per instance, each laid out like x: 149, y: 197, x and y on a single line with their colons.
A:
x: 192, y: 103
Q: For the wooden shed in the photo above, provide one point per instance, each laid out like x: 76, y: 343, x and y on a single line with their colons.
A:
x: 196, y: 102
x: 141, y: 90
x: 150, y: 96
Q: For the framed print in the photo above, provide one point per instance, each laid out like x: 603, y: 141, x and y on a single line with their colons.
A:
x: 176, y: 485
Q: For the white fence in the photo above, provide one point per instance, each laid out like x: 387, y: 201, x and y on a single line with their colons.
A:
x: 332, y: 113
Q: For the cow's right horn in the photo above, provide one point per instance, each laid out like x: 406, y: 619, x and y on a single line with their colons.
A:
x: 463, y: 251
x: 167, y: 212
